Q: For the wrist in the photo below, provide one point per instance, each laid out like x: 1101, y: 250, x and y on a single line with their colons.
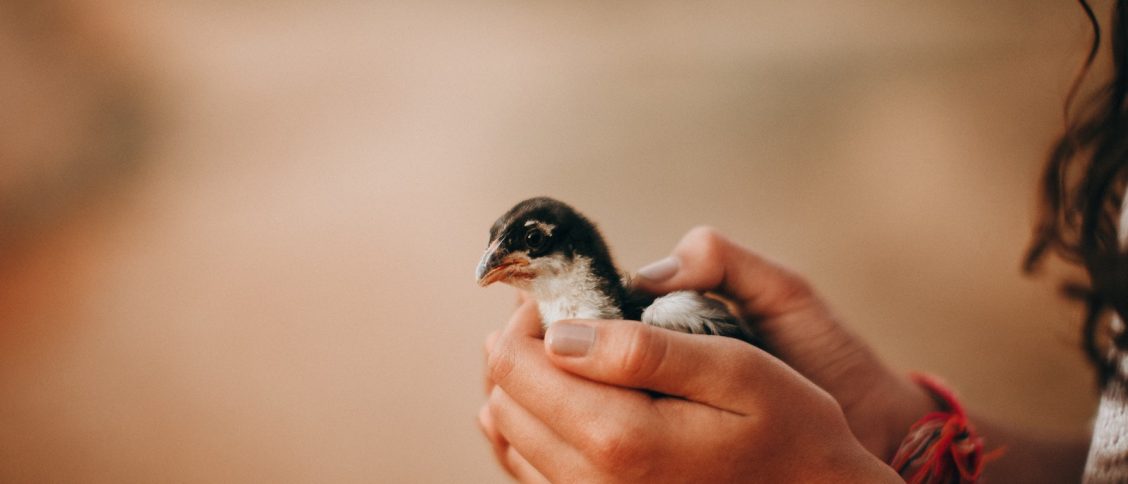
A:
x: 853, y: 464
x: 895, y: 406
x: 943, y: 446
x: 914, y: 403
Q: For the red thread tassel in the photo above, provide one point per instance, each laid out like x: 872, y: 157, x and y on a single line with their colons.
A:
x: 942, y: 447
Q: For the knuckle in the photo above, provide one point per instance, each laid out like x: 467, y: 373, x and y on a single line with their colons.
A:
x: 645, y: 351
x: 618, y: 450
x: 500, y: 362
x: 706, y: 241
x: 705, y: 235
x: 485, y: 419
x: 487, y: 427
x: 793, y: 289
x: 493, y: 407
x: 491, y: 341
x: 795, y: 285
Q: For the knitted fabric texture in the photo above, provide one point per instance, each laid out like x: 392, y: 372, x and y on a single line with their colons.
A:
x: 1108, y: 453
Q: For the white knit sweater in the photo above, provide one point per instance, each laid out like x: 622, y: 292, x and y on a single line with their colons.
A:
x: 1108, y: 452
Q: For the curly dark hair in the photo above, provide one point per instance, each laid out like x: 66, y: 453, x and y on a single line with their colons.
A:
x: 1082, y: 192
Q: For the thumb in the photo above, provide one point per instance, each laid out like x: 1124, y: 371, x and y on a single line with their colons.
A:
x: 796, y: 325
x: 720, y: 372
x: 705, y: 260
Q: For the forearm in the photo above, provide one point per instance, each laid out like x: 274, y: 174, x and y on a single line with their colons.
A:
x: 1027, y: 456
x: 1031, y: 458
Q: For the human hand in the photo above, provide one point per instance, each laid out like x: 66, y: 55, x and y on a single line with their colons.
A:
x: 567, y: 409
x: 799, y: 328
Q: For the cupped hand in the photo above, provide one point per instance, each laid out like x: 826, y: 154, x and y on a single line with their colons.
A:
x: 799, y: 328
x: 619, y: 401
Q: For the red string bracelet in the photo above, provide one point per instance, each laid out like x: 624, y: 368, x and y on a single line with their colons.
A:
x: 942, y: 447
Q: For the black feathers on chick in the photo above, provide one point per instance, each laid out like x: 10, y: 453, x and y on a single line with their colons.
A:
x: 546, y: 247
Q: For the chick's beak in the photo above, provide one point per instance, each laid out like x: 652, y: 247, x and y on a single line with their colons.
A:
x: 498, y: 265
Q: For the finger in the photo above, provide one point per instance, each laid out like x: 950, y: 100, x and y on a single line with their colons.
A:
x: 487, y: 348
x: 705, y: 260
x: 498, y: 443
x: 724, y: 373
x: 522, y: 297
x: 523, y: 471
x: 534, y: 441
x: 525, y: 321
x: 511, y: 461
x: 577, y: 409
x: 491, y: 341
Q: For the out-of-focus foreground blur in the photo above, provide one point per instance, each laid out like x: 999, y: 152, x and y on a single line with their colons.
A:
x: 237, y: 238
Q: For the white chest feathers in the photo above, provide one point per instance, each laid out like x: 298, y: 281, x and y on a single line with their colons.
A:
x: 566, y: 289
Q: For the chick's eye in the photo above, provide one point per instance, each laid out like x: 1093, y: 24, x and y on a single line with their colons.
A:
x: 535, y: 239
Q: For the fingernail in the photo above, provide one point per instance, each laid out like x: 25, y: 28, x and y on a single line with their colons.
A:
x: 660, y: 270
x: 570, y: 339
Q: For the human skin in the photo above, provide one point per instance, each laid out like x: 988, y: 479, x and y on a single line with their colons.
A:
x: 761, y: 422
x: 823, y: 408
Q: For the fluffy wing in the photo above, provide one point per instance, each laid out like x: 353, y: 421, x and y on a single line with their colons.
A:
x: 693, y: 312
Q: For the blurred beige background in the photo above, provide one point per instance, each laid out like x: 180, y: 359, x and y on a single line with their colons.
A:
x: 239, y: 236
